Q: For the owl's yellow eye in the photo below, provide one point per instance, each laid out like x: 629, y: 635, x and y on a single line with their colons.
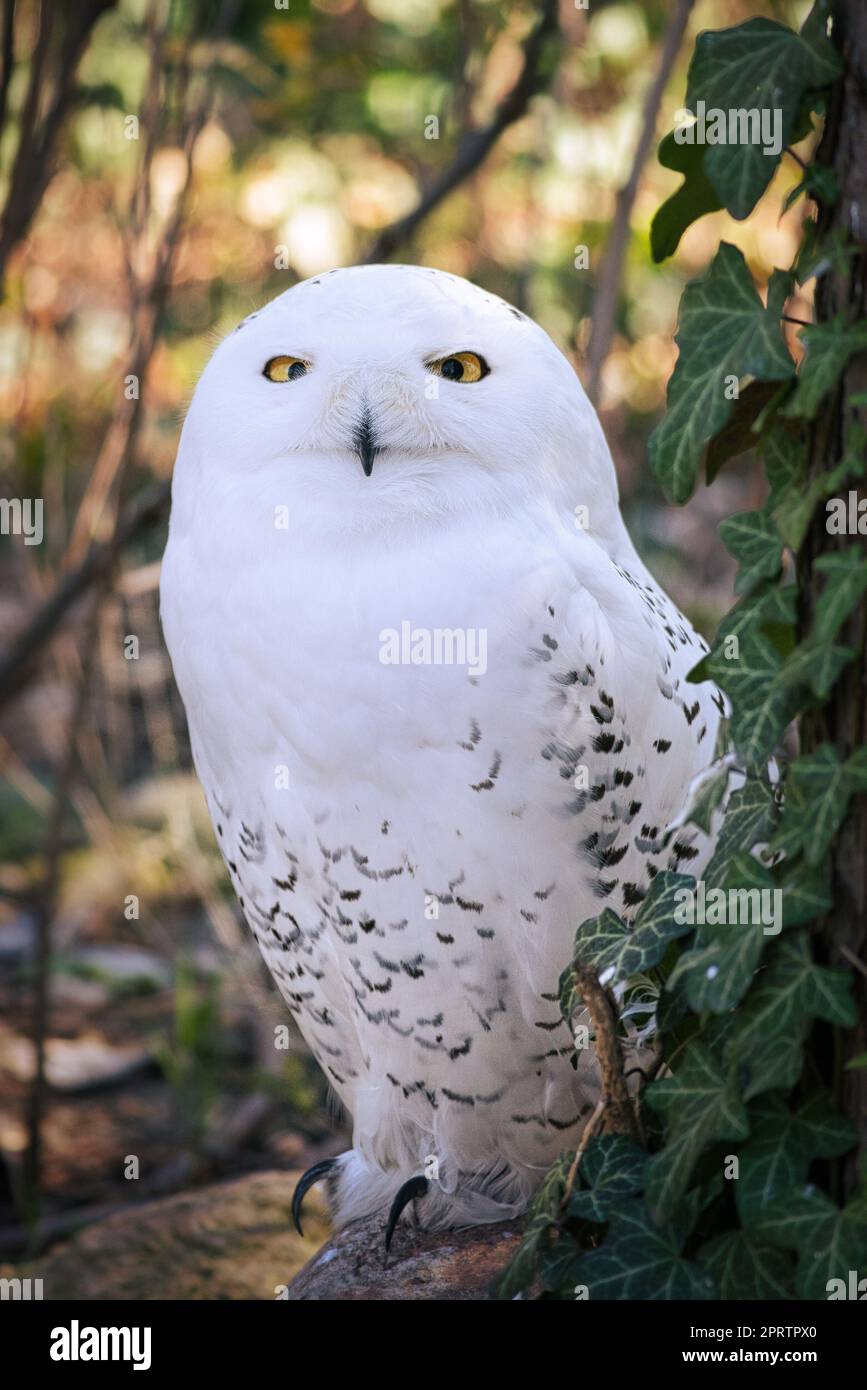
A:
x: 285, y: 368
x: 460, y: 366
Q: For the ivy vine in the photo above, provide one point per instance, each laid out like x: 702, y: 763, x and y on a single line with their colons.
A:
x: 739, y: 1011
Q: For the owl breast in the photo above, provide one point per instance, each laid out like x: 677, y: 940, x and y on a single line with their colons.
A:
x: 415, y: 831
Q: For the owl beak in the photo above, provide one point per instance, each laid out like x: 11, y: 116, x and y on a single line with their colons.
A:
x: 364, y: 442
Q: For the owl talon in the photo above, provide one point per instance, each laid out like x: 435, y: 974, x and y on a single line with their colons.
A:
x: 411, y: 1189
x: 304, y: 1183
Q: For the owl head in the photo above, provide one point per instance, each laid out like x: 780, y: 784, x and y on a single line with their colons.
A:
x: 387, y: 396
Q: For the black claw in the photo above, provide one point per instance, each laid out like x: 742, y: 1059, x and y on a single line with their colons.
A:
x: 412, y: 1188
x: 305, y: 1182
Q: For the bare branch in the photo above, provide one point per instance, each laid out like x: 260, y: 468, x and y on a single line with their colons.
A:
x: 33, y: 165
x: 608, y: 284
x: 7, y: 57
x: 586, y: 1135
x: 17, y: 664
x: 475, y: 145
x: 44, y: 909
x: 91, y: 560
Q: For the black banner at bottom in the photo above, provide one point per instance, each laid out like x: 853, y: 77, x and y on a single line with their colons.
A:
x: 64, y: 1339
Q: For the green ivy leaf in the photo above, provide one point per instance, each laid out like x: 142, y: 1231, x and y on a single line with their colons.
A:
x: 767, y: 1034
x: 775, y: 1161
x: 613, y: 1167
x: 753, y: 540
x: 784, y: 455
x: 818, y: 791
x: 700, y: 1103
x: 718, y: 971
x: 762, y: 704
x: 743, y: 1267
x: 598, y: 942
x: 687, y: 204
x: 725, y: 330
x: 767, y: 610
x: 757, y: 65
x: 830, y: 252
x: 558, y: 1260
x: 820, y: 182
x: 542, y: 1219
x: 739, y: 433
x: 805, y: 891
x: 828, y: 347
x: 797, y: 1220
x: 829, y: 1242
x: 794, y: 512
x: 825, y: 1132
x: 751, y: 818
x: 816, y: 666
x: 706, y: 795
x: 522, y: 1269
x: 640, y: 1260
x: 617, y: 951
x: 846, y: 585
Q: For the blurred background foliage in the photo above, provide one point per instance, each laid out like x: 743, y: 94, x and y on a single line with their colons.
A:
x: 158, y: 1036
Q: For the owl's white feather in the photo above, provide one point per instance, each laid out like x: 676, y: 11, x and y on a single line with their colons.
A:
x: 409, y: 843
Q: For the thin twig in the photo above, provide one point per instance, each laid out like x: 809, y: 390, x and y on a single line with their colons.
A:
x: 475, y: 145
x: 33, y: 165
x: 586, y: 1136
x: 7, y: 56
x: 44, y: 909
x: 115, y: 457
x: 90, y: 559
x: 17, y: 664
x: 608, y: 284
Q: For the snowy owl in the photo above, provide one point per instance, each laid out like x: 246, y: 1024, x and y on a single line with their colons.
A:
x: 438, y: 707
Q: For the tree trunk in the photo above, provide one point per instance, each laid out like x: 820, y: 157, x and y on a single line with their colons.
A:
x: 843, y: 720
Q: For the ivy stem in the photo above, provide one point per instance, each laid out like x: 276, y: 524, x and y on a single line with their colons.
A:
x: 797, y: 158
x: 852, y: 959
x: 620, y: 1117
x: 579, y: 1152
